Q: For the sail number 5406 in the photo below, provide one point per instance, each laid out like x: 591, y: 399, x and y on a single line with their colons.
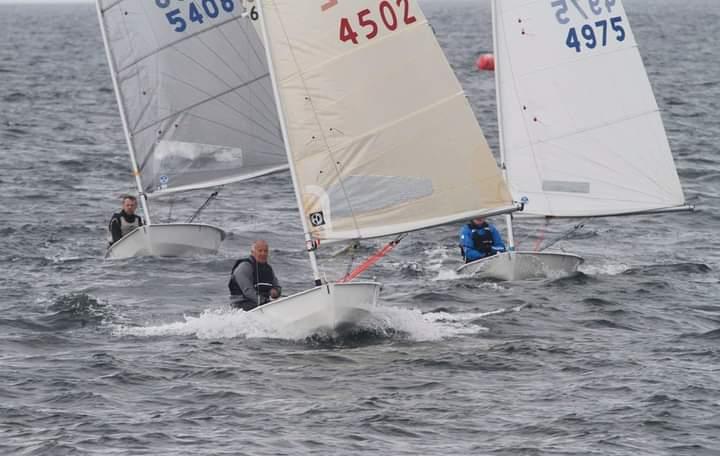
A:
x: 389, y: 14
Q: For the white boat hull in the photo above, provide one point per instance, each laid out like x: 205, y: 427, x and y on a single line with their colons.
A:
x: 326, y: 308
x: 523, y: 266
x: 172, y: 239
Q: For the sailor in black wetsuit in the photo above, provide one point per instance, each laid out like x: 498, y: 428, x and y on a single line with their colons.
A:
x: 124, y: 221
x: 252, y: 280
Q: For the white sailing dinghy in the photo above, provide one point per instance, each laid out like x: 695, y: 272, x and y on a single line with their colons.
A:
x: 379, y: 135
x: 580, y: 130
x: 196, y: 104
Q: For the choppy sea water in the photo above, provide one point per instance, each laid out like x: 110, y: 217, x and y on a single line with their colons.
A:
x: 144, y: 357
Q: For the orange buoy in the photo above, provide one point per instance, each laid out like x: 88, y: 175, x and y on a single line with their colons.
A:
x: 485, y: 62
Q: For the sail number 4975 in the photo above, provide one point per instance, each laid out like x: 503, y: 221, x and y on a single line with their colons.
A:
x: 590, y: 39
x: 388, y: 14
x: 594, y: 33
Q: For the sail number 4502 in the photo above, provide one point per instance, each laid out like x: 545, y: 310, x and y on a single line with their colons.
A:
x: 390, y: 14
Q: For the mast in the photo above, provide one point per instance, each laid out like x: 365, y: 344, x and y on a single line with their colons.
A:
x: 501, y: 141
x: 121, y: 106
x: 310, y: 244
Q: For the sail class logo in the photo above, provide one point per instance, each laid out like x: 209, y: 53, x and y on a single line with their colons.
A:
x: 317, y: 218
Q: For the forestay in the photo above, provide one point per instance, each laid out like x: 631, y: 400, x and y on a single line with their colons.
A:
x: 382, y: 138
x: 581, y: 130
x: 194, y: 84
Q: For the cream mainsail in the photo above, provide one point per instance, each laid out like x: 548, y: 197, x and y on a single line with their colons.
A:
x: 581, y: 130
x: 381, y: 137
x: 194, y: 91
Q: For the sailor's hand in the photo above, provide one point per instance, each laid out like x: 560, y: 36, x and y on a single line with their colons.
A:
x: 274, y: 293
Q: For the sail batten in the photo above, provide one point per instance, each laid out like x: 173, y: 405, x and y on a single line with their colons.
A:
x: 196, y: 91
x: 381, y: 136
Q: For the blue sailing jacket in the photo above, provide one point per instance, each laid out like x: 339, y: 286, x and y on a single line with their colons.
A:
x: 471, y: 244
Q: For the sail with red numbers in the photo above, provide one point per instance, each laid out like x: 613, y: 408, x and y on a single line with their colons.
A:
x: 380, y: 134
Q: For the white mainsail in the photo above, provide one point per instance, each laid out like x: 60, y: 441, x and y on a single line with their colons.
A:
x: 194, y: 91
x: 581, y: 132
x: 381, y: 137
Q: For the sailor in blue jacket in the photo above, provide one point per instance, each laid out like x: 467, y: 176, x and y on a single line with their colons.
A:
x: 479, y: 239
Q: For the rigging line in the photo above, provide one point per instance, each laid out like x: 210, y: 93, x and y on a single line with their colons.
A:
x: 541, y: 237
x: 566, y: 155
x: 210, y: 98
x: 246, y: 84
x: 611, y: 183
x: 174, y: 43
x: 373, y: 259
x: 353, y: 248
x: 270, y: 119
x: 246, y: 133
x: 112, y: 5
x: 263, y: 61
x: 611, y: 152
x: 212, y: 196
x: 578, y: 226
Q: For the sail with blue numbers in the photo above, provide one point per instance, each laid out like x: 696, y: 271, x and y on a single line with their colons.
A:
x: 581, y: 132
x: 194, y: 92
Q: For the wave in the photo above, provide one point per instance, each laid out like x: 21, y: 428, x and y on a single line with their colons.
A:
x: 384, y: 323
x: 664, y: 269
x: 713, y: 335
x: 75, y: 310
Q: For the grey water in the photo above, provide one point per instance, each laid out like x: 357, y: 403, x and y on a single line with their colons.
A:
x: 143, y: 356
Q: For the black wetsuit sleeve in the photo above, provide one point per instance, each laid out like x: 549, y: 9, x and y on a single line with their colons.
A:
x: 276, y: 283
x: 115, y: 228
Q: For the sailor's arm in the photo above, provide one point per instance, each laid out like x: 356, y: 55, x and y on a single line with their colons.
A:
x: 115, y: 229
x: 467, y: 244
x: 276, y: 290
x: 498, y: 244
x: 244, y: 278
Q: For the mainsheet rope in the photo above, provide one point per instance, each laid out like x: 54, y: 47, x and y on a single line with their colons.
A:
x: 373, y: 259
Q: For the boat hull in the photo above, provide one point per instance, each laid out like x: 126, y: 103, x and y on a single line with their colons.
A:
x: 171, y: 239
x: 511, y: 266
x: 326, y: 308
